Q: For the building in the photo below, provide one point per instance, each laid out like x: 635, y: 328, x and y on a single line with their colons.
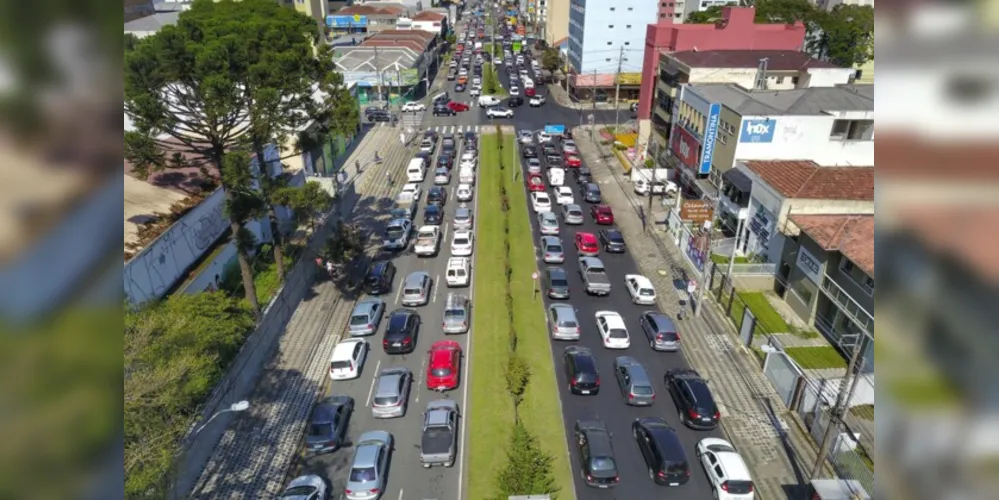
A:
x: 605, y: 39
x: 365, y: 19
x: 431, y: 22
x: 831, y: 4
x: 135, y: 9
x: 784, y: 69
x: 684, y: 8
x: 391, y: 64
x: 149, y: 25
x: 316, y: 9
x: 556, y: 22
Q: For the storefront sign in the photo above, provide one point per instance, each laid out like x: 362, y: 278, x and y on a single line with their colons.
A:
x: 758, y: 131
x: 355, y: 21
x: 630, y: 78
x: 710, y: 133
x: 685, y: 147
x: 809, y: 265
x: 696, y: 211
x: 762, y: 225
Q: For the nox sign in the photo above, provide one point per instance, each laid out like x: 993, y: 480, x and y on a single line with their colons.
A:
x: 761, y: 131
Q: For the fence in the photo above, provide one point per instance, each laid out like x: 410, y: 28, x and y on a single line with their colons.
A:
x: 752, y: 269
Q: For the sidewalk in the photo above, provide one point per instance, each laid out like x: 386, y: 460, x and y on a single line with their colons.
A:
x: 557, y: 92
x: 779, y: 451
x: 252, y: 457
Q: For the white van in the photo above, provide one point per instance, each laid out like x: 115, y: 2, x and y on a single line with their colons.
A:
x: 348, y: 358
x: 478, y: 45
x: 416, y: 170
x: 466, y: 176
x: 528, y: 83
x: 556, y: 176
x: 458, y: 272
x: 488, y: 101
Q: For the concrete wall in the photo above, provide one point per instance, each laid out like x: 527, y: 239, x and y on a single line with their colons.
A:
x: 210, y: 276
x: 807, y: 138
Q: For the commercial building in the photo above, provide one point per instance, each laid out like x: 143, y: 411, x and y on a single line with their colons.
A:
x: 149, y: 25
x: 770, y: 69
x: 556, y: 22
x: 605, y: 39
x: 391, y: 64
x: 431, y: 22
x: 365, y: 18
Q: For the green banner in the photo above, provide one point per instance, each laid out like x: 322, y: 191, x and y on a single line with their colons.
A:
x: 516, y: 46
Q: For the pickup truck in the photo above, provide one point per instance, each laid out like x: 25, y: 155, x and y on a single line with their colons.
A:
x: 439, y: 443
x: 595, y: 279
x: 428, y: 241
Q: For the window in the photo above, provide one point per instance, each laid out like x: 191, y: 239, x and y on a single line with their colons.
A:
x: 628, y: 26
x: 722, y: 139
x: 612, y: 9
x: 611, y: 26
x: 608, y: 59
x: 630, y: 9
x: 852, y: 130
x: 608, y: 43
x: 794, y: 80
x: 779, y: 80
x: 627, y: 43
x: 662, y: 16
x: 846, y: 265
x: 869, y: 285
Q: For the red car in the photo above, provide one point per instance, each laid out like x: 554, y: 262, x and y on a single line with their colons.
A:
x: 571, y: 160
x: 457, y: 106
x: 535, y: 183
x: 602, y: 214
x: 444, y: 365
x: 529, y: 92
x: 586, y: 244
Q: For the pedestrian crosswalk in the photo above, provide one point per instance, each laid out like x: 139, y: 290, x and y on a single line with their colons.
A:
x: 454, y: 129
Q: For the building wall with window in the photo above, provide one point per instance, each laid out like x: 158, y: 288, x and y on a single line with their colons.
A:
x: 598, y: 31
x: 837, y: 139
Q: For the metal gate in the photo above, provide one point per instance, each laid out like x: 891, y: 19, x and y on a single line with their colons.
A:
x: 783, y: 374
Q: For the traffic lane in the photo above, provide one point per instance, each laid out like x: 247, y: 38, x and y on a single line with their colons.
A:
x: 616, y: 414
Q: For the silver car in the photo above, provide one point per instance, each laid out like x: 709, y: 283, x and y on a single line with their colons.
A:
x: 563, y: 322
x: 463, y: 218
x: 391, y: 395
x: 634, y: 381
x: 456, y: 313
x: 660, y: 331
x: 416, y: 289
x: 369, y: 466
x: 551, y: 250
x: 366, y: 317
x: 572, y: 214
x: 533, y: 166
x: 548, y: 223
x: 305, y: 488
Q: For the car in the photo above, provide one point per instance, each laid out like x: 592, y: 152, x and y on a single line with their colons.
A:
x: 397, y: 234
x: 533, y: 166
x: 442, y: 176
x: 433, y: 215
x: 457, y: 106
x: 443, y: 365
x: 530, y: 92
x: 581, y: 370
x: 563, y: 322
x: 487, y: 101
x: 536, y: 101
x: 380, y: 116
x: 662, y: 451
x: 470, y: 140
x: 436, y: 195
x: 448, y: 143
x: 310, y: 487
x: 612, y: 330
x: 445, y: 159
x: 411, y: 191
x: 379, y: 278
x: 525, y: 137
x: 573, y: 161
x: 464, y: 192
x: 461, y: 243
x: 612, y: 240
x: 463, y: 218
x: 634, y: 382
x: 366, y: 317
x: 660, y: 331
x: 591, y: 193
x: 556, y: 283
x: 499, y: 112
x: 640, y: 289
x: 541, y: 202
x: 564, y: 196
x: 586, y: 244
x: 475, y: 92
x: 469, y: 161
x: 414, y: 106
x: 545, y: 137
x: 551, y: 250
x: 596, y: 454
x: 416, y: 289
x: 694, y: 402
x: 514, y: 101
x: 569, y: 146
x: 602, y: 214
x: 535, y: 183
x: 369, y: 466
x: 428, y: 144
x: 726, y: 470
x: 572, y: 214
x: 460, y: 87
x: 548, y: 223
x: 514, y: 90
x: 583, y: 175
x: 348, y: 358
x: 529, y: 151
x: 370, y: 110
x: 327, y: 429
x: 443, y: 110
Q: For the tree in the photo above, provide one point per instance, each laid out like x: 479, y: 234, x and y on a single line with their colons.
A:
x: 785, y: 11
x: 706, y: 16
x: 345, y: 245
x: 528, y: 468
x: 845, y: 36
x: 551, y: 60
x: 308, y: 202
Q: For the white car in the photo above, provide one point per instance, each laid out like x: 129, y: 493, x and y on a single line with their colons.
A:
x: 410, y: 192
x: 514, y: 90
x: 612, y: 330
x: 397, y: 234
x: 442, y: 176
x: 348, y: 358
x: 414, y: 106
x: 461, y: 244
x: 525, y: 137
x: 427, y: 241
x: 726, y: 470
x: 533, y: 166
x: 544, y: 136
x: 498, y: 112
x: 537, y: 101
x: 563, y: 196
x: 468, y: 154
x: 427, y: 145
x: 464, y: 192
x: 476, y: 82
x: 469, y: 163
x: 475, y: 91
x: 640, y: 289
x: 308, y: 487
x: 541, y: 202
x: 548, y: 223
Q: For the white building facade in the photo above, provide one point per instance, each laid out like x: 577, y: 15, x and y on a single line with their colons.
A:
x: 606, y: 35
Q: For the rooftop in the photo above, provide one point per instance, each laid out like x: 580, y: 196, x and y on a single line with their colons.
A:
x: 850, y: 235
x: 777, y: 60
x: 965, y: 233
x: 908, y: 157
x: 371, y: 10
x: 426, y: 15
x: 803, y: 179
x: 153, y: 22
x: 807, y: 101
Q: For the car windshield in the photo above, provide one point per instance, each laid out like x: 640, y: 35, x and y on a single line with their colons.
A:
x: 340, y: 365
x: 646, y: 292
x: 394, y: 232
x: 441, y: 372
x: 461, y: 241
x: 722, y: 448
x: 397, y: 322
x: 605, y: 464
x: 617, y: 333
x: 432, y: 211
x: 454, y: 314
x: 320, y: 429
x: 641, y: 390
x: 555, y: 248
x: 298, y: 491
x: 567, y: 324
x: 364, y: 475
x: 576, y: 213
x: 739, y: 487
x: 559, y: 282
x: 360, y: 319
x: 676, y: 467
x: 413, y: 291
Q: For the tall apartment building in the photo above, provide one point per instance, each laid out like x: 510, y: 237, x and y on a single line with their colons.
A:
x: 556, y: 22
x: 606, y: 39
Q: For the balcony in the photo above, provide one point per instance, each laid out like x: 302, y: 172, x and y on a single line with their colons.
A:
x: 733, y: 208
x: 854, y: 311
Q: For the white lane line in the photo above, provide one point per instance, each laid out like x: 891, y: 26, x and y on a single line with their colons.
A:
x: 398, y: 294
x: 400, y: 494
x: 444, y: 239
x: 422, y: 376
x: 371, y: 390
x: 437, y: 287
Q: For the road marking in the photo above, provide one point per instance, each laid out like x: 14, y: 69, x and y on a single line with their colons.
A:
x: 398, y: 294
x: 400, y: 494
x: 466, y: 379
x: 422, y: 375
x: 444, y: 239
x: 371, y: 390
x: 436, y: 288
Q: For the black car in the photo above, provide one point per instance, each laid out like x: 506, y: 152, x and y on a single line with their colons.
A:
x: 557, y: 283
x: 443, y: 110
x: 693, y: 399
x: 596, y: 454
x: 612, y: 240
x: 459, y: 87
x: 380, y: 116
x: 370, y: 110
x: 402, y: 331
x: 581, y: 370
x: 662, y: 450
x: 433, y: 215
x: 554, y: 161
x: 549, y: 149
x: 591, y: 193
x: 430, y: 134
x: 328, y: 424
x: 445, y: 160
x: 437, y: 195
x: 470, y: 139
x: 530, y: 151
x: 380, y: 276
x: 514, y: 101
x: 583, y: 175
x: 448, y: 142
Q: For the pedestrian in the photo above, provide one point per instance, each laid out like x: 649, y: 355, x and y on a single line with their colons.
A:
x: 388, y: 177
x: 329, y: 268
x: 357, y: 165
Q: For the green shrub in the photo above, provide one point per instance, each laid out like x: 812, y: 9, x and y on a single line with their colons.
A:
x: 528, y: 469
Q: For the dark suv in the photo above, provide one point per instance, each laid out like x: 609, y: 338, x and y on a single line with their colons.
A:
x: 401, y: 332
x: 662, y: 451
x: 379, y: 278
x: 581, y: 370
x: 596, y: 455
x: 442, y: 109
x: 693, y: 399
x: 591, y: 193
x: 612, y: 240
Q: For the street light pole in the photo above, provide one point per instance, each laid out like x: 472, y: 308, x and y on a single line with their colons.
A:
x: 708, y: 263
x: 236, y: 407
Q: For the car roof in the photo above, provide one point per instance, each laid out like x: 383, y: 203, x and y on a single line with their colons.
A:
x: 734, y: 466
x: 613, y: 319
x: 599, y: 440
x: 366, y: 455
x: 663, y: 434
x: 388, y: 382
x: 556, y: 272
x: 345, y: 349
x: 588, y: 237
x: 642, y: 280
x: 416, y: 278
x: 663, y: 322
x: 591, y: 261
x: 366, y: 305
x: 462, y: 211
x: 548, y: 215
x: 550, y: 240
x: 398, y: 222
x: 380, y: 266
x: 565, y: 309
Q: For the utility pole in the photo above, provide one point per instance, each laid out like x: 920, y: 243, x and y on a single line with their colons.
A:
x: 708, y: 264
x: 593, y: 94
x: 836, y: 415
x: 735, y: 246
x: 378, y: 69
x: 617, y: 95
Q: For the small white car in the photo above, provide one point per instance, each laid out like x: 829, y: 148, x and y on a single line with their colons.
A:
x: 726, y: 470
x: 468, y: 154
x: 548, y: 223
x: 498, y: 112
x: 348, y: 358
x: 537, y: 101
x: 569, y: 146
x: 525, y: 137
x: 612, y: 330
x: 541, y: 202
x: 461, y: 244
x: 640, y: 288
x: 414, y: 106
x: 544, y: 136
x: 533, y: 166
x: 410, y: 191
x: 475, y: 91
x: 476, y: 82
x: 514, y: 90
x: 442, y: 176
x: 563, y: 196
x: 464, y: 192
x: 427, y: 145
x: 469, y: 163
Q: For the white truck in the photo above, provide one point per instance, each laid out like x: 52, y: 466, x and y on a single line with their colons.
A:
x: 645, y: 180
x: 458, y: 272
x: 488, y: 101
x: 556, y: 177
x: 428, y: 241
